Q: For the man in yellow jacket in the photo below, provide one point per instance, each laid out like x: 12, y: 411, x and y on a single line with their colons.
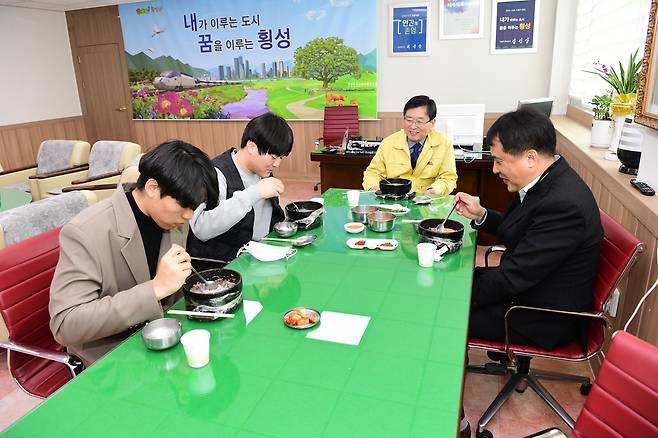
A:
x: 418, y: 153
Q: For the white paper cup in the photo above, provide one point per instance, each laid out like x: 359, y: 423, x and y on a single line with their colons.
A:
x: 196, y: 344
x: 320, y: 200
x: 426, y: 253
x: 353, y: 198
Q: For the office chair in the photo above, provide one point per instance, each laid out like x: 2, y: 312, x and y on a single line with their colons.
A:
x: 619, y: 250
x: 624, y: 396
x: 36, y: 361
x: 338, y: 119
x: 55, y: 157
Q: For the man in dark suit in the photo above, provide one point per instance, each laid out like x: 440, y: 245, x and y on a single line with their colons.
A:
x: 552, y: 233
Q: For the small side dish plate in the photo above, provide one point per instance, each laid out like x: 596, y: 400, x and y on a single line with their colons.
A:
x: 301, y: 318
x: 354, y: 227
x: 383, y: 244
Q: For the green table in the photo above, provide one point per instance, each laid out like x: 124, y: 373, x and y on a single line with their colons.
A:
x: 404, y: 378
x: 12, y: 198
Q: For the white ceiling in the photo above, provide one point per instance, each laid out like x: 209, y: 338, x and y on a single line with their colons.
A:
x: 61, y: 5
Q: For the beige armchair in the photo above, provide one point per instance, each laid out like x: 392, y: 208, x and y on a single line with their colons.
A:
x: 106, y: 162
x: 29, y: 220
x: 108, y: 159
x: 54, y: 157
x: 102, y: 191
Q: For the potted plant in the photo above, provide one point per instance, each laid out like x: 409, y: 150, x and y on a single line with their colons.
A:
x: 602, y: 124
x: 624, y: 83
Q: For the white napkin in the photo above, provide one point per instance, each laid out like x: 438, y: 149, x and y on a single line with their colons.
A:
x: 342, y: 328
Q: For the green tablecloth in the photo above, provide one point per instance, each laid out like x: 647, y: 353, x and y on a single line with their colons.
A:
x: 404, y: 378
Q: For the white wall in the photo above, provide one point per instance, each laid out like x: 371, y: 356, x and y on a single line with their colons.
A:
x: 464, y: 71
x: 37, y: 76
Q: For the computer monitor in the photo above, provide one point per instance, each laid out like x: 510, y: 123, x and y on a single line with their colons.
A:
x: 543, y: 105
x: 463, y: 123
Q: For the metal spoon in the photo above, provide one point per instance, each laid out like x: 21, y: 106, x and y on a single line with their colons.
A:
x: 298, y: 241
x: 208, y: 283
x: 440, y: 227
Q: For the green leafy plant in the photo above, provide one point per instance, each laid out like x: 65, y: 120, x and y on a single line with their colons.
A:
x: 601, y: 106
x: 624, y: 80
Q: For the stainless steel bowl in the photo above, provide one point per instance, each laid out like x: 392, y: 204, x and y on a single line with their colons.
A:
x: 381, y: 221
x: 161, y: 334
x: 360, y: 213
x: 285, y: 228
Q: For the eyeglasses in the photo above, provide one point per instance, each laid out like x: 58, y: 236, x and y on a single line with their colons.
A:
x: 417, y: 122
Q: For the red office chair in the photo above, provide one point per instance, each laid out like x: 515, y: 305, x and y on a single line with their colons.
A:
x: 338, y: 120
x: 36, y: 361
x: 619, y: 250
x: 624, y: 396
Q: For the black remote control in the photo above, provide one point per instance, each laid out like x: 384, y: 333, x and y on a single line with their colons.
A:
x: 643, y: 188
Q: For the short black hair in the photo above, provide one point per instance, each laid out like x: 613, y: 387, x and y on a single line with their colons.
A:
x: 418, y: 101
x: 271, y: 133
x: 183, y: 172
x: 524, y: 129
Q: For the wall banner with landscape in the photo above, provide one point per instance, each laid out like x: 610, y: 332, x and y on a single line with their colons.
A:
x: 209, y: 59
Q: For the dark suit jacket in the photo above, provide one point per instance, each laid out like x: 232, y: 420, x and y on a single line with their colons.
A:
x: 553, y: 240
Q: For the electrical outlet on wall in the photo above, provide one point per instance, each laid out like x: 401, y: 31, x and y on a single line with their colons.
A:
x: 612, y: 303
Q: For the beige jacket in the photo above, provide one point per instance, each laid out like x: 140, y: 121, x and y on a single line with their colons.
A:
x: 102, y: 285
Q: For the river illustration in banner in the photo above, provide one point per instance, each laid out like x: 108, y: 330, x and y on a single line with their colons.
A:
x: 207, y: 59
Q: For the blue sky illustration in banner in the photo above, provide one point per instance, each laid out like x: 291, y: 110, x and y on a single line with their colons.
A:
x: 409, y: 29
x: 514, y: 26
x: 206, y: 59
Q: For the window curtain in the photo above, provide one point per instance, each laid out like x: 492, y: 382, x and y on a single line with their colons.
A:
x: 607, y: 31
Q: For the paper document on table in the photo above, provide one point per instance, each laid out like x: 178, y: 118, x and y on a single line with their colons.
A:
x: 342, y: 328
x: 251, y: 309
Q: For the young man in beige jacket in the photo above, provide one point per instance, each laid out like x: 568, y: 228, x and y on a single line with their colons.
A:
x: 123, y: 260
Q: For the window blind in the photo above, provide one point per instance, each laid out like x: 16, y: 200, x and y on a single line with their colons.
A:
x: 607, y: 31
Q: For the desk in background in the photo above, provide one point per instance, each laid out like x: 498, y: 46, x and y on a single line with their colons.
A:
x: 475, y: 178
x: 403, y: 379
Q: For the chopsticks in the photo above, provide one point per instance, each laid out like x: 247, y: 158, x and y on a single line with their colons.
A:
x: 205, y: 259
x: 202, y: 314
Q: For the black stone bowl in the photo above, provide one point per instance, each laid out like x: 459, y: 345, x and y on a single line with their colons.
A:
x: 427, y: 228
x: 395, y: 186
x: 301, y: 209
x: 224, y: 300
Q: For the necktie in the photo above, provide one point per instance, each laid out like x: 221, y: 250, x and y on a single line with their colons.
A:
x: 415, y: 152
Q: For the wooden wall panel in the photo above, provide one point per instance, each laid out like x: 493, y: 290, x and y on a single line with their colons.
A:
x: 214, y: 137
x: 19, y: 143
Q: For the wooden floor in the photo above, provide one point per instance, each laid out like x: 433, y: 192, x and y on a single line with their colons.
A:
x: 522, y: 415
